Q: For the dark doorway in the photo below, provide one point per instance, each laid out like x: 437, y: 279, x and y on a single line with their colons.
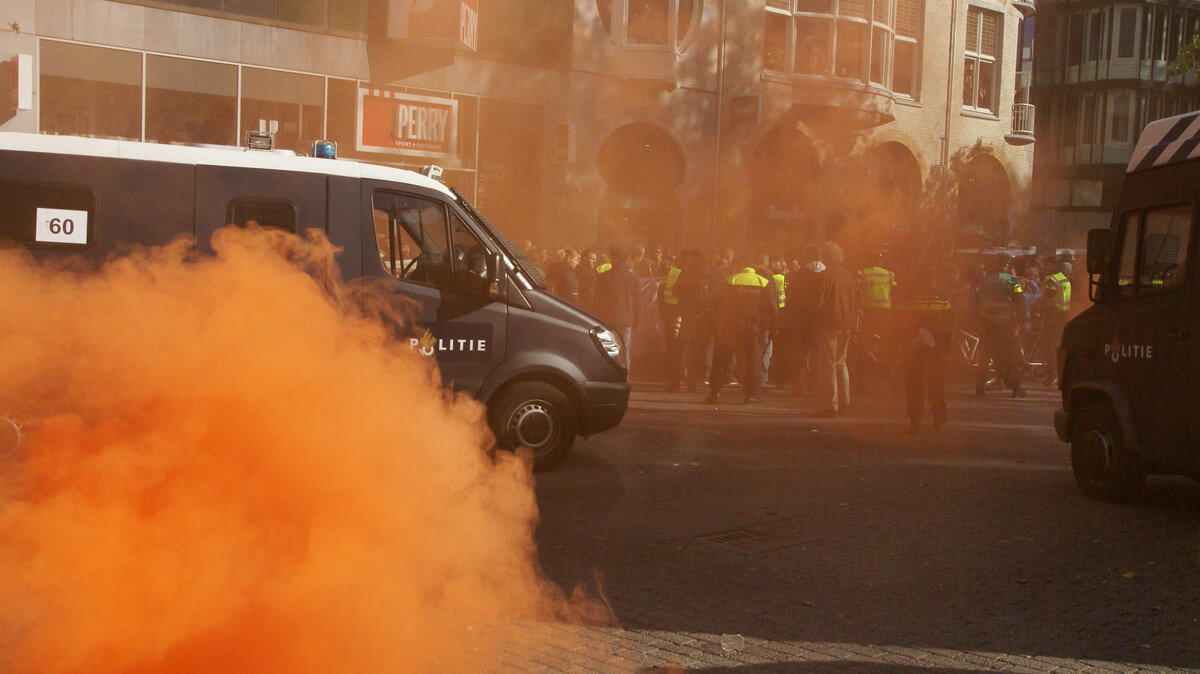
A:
x: 785, y: 173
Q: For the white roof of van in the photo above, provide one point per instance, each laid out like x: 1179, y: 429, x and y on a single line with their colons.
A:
x: 211, y: 156
x: 1167, y: 141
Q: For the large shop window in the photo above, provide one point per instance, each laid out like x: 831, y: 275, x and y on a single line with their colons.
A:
x: 295, y: 103
x: 90, y: 91
x: 981, y: 72
x: 340, y: 15
x: 190, y: 101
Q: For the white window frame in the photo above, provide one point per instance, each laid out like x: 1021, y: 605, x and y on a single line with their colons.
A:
x: 1113, y: 98
x: 677, y: 41
x: 1115, y: 33
x: 995, y: 60
x: 917, y: 41
x: 833, y: 19
x: 1089, y: 17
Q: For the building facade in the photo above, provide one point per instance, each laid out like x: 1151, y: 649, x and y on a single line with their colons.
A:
x: 1101, y: 77
x: 758, y: 123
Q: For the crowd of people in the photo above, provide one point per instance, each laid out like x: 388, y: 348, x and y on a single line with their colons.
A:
x: 807, y: 323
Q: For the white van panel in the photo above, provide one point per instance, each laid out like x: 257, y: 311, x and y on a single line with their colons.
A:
x: 208, y: 156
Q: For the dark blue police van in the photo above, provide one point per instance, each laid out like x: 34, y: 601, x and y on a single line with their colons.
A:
x: 546, y: 370
x: 1128, y: 365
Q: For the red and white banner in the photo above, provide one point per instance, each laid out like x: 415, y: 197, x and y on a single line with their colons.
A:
x: 420, y: 126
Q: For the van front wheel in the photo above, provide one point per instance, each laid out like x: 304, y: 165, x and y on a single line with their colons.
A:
x: 536, y: 415
x: 1104, y: 467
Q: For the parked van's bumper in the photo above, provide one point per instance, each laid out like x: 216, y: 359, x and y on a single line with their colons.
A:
x: 604, y: 406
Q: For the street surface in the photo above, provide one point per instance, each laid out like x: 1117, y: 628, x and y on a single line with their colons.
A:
x: 755, y: 539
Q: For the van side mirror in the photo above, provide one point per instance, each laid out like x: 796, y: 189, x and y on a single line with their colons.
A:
x: 495, y: 268
x: 1099, y: 250
x: 479, y: 272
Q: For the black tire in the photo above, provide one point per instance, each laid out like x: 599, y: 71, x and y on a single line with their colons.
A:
x: 1105, y: 469
x: 536, y: 415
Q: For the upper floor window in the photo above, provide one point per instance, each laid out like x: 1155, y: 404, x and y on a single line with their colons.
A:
x: 981, y: 68
x: 1095, y: 35
x: 1125, y: 32
x: 650, y: 23
x: 851, y: 39
x: 906, y: 56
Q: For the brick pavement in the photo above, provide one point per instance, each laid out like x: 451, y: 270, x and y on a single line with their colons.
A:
x: 754, y: 539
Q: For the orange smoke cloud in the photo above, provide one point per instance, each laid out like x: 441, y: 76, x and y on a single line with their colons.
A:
x: 226, y: 468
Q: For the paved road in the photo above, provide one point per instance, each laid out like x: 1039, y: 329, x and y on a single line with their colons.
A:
x: 754, y: 539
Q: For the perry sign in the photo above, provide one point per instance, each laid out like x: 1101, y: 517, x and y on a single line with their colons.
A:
x: 420, y: 126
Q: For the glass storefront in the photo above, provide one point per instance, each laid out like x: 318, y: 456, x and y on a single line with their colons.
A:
x: 90, y: 91
x: 290, y: 103
x: 190, y: 101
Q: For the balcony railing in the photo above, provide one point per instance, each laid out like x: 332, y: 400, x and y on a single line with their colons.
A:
x: 1022, y: 125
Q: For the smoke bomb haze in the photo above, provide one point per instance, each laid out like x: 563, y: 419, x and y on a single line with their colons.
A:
x: 224, y: 470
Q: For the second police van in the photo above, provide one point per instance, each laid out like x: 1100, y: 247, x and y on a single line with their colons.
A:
x: 547, y: 370
x: 1129, y: 365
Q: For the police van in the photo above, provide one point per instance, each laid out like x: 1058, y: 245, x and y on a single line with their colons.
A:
x: 1129, y: 365
x: 546, y: 370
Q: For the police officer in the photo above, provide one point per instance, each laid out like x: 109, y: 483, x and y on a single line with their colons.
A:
x: 746, y: 314
x: 1056, y: 294
x: 875, y: 286
x: 1000, y: 309
x: 926, y: 325
x: 668, y: 311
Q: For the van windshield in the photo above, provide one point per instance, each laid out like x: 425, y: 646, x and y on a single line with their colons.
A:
x: 518, y: 256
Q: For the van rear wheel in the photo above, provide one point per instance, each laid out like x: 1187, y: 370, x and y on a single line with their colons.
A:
x: 539, y: 416
x: 1104, y: 467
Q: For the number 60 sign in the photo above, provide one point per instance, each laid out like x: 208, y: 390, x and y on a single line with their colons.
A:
x: 58, y: 225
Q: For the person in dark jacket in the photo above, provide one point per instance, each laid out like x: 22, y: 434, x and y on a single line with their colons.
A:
x: 926, y: 327
x: 837, y: 316
x: 693, y: 290
x: 618, y: 296
x: 800, y: 316
x: 747, y: 306
x: 563, y: 279
x: 588, y: 277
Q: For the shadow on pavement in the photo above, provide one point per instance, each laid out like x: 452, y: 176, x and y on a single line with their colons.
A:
x: 703, y: 525
x: 859, y: 667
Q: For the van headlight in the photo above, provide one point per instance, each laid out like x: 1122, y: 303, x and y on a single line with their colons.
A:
x: 610, y: 345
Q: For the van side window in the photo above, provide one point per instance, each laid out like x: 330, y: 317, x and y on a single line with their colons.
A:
x: 1129, y: 241
x: 1165, y: 247
x: 272, y: 213
x: 412, y: 237
x: 46, y: 213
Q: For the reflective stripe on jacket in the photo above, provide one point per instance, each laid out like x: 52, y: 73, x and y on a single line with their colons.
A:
x: 668, y: 286
x: 876, y: 284
x: 1058, y: 288
x: 781, y: 286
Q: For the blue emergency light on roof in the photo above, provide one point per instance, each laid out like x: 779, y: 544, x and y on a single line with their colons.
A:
x: 432, y: 171
x: 324, y: 149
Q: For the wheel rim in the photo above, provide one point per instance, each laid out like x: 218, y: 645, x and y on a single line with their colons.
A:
x: 1097, y: 454
x: 533, y: 425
